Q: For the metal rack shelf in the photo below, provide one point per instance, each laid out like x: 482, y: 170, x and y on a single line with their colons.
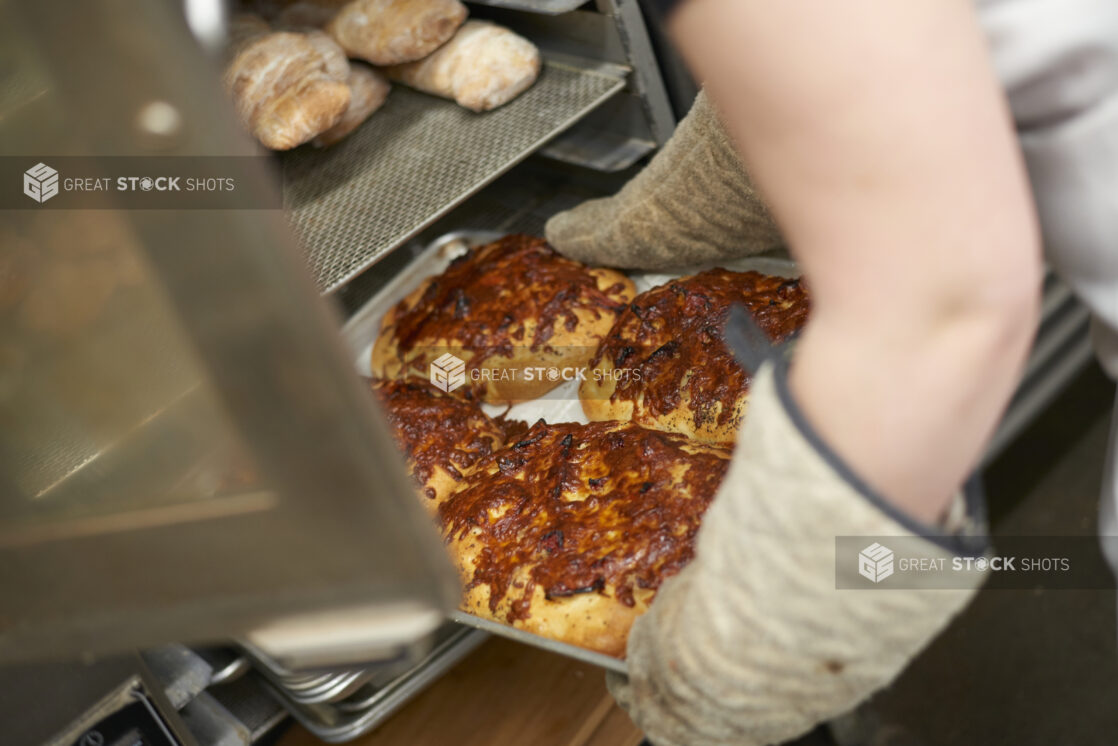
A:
x: 543, y: 7
x: 418, y: 158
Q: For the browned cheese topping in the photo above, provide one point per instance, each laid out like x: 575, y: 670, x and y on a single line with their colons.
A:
x: 587, y: 507
x: 484, y: 298
x: 672, y: 337
x: 435, y: 430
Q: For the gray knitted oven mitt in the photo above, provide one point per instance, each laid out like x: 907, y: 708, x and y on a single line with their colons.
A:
x: 692, y: 204
x: 752, y: 643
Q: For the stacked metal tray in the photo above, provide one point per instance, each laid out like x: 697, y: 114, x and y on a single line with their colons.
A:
x: 418, y: 158
x: 340, y: 706
x: 310, y: 688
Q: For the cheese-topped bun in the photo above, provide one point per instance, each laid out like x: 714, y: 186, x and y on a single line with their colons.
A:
x: 508, y: 321
x: 569, y: 531
x: 442, y: 437
x: 665, y: 364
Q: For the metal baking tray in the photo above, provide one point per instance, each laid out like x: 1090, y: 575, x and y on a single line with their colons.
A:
x: 560, y: 405
x: 592, y: 657
x: 307, y: 688
x: 375, y: 701
x: 1062, y: 330
x: 420, y: 156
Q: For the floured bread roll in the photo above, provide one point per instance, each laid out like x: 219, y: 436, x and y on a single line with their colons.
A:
x: 367, y: 91
x: 569, y: 531
x: 481, y: 68
x: 516, y: 317
x: 287, y: 87
x: 388, y: 32
x: 441, y: 436
x: 665, y: 364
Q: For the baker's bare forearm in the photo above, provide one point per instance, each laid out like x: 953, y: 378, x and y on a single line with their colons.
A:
x: 882, y: 143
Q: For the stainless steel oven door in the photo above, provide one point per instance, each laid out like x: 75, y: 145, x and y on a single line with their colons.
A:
x: 185, y: 450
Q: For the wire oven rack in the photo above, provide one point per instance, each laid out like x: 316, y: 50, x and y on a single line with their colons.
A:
x: 419, y: 157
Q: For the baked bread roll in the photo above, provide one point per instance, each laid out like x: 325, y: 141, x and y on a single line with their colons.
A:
x: 441, y: 436
x: 519, y: 317
x: 368, y: 90
x: 334, y: 62
x: 287, y: 87
x: 481, y: 68
x: 388, y: 32
x: 665, y: 364
x: 569, y: 531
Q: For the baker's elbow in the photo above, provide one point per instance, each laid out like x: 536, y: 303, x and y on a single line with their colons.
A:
x: 978, y: 308
x: 1017, y: 315
x: 1004, y: 302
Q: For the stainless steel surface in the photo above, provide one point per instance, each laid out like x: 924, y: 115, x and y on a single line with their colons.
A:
x: 615, y: 32
x: 678, y: 80
x: 331, y: 689
x: 611, y: 138
x: 170, y: 327
x: 418, y: 158
x: 344, y: 721
x: 59, y: 701
x: 521, y: 201
x: 571, y: 651
x: 647, y: 80
x: 212, y: 724
x: 546, y: 7
x: 250, y: 702
x: 384, y: 630
x: 309, y: 688
x: 601, y: 151
x: 63, y: 704
x: 182, y: 672
x: 227, y: 664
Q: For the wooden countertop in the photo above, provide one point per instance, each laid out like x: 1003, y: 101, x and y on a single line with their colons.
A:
x: 505, y: 693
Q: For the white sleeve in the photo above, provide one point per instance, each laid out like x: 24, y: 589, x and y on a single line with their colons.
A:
x: 1058, y: 60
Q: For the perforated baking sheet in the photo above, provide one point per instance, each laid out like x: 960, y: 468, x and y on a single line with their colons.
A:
x: 559, y: 405
x: 420, y: 156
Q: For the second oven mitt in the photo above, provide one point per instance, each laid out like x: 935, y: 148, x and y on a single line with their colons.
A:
x: 692, y: 204
x: 752, y: 643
